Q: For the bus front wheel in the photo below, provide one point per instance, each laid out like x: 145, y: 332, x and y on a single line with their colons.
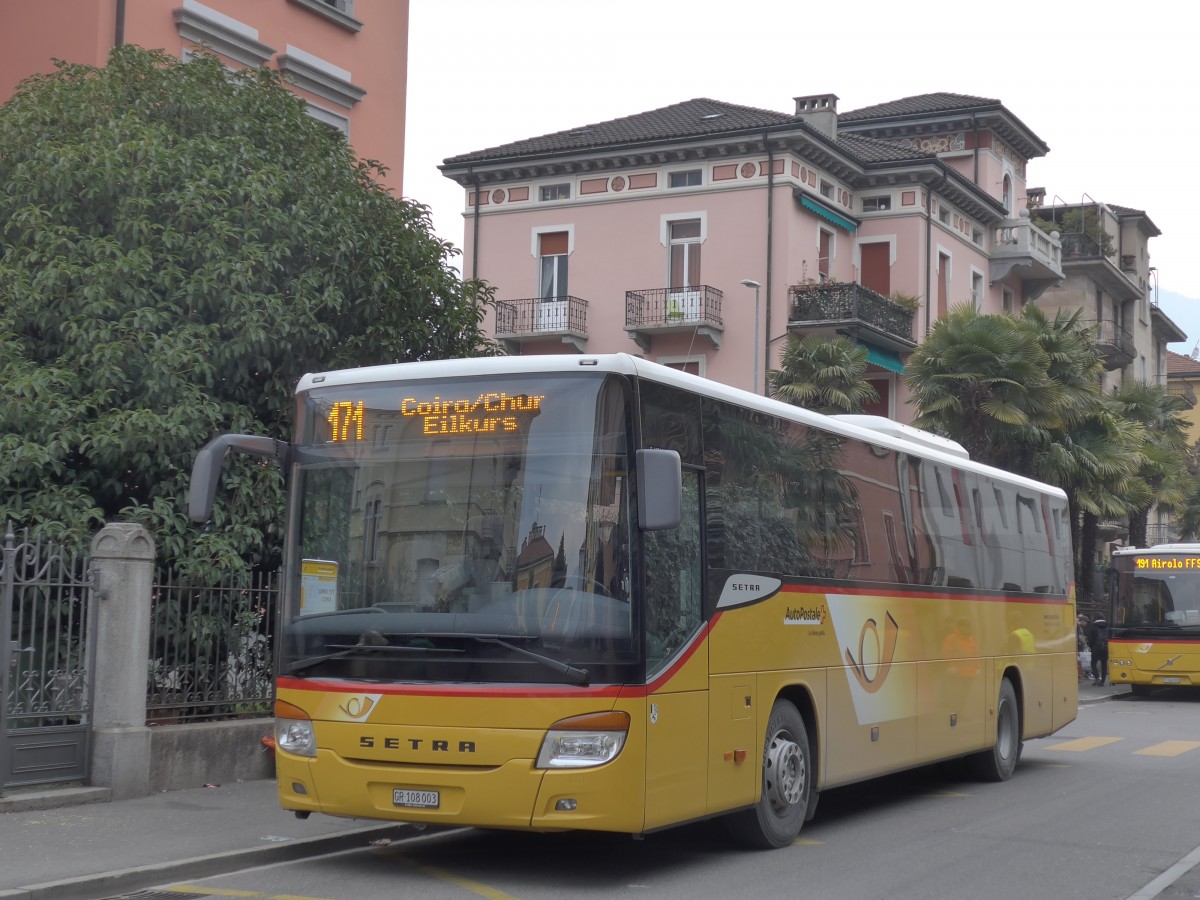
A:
x: 999, y: 763
x: 775, y: 820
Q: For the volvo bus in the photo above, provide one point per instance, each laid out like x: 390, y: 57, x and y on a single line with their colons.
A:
x: 594, y: 592
x: 1154, y: 625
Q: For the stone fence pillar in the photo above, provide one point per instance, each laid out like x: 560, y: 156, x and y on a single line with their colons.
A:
x: 123, y: 567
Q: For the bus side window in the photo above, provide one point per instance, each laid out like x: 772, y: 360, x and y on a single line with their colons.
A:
x: 673, y: 579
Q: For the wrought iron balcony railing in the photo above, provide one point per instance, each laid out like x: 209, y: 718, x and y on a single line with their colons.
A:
x: 665, y: 310
x: 850, y: 308
x: 1114, y: 342
x: 541, y: 317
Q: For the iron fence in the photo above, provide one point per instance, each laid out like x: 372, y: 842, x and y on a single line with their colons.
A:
x: 46, y: 598
x: 211, y: 648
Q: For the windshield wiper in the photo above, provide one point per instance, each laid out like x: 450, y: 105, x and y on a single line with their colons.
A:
x: 574, y: 673
x: 342, y: 651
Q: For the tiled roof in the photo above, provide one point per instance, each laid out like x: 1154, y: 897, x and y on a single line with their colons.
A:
x: 922, y: 104
x: 871, y: 150
x: 1180, y: 365
x: 692, y: 118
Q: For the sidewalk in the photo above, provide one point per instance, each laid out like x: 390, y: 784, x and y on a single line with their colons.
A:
x: 102, y: 849
x: 94, y: 849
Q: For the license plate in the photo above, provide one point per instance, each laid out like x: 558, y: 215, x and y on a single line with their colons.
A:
x: 417, y: 799
x: 1171, y: 679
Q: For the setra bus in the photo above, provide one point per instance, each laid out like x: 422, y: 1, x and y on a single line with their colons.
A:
x: 594, y: 592
x: 1154, y: 624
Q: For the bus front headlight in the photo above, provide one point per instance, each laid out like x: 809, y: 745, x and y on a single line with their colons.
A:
x: 294, y: 730
x: 583, y: 741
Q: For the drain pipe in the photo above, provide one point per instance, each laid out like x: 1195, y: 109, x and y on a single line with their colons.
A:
x: 929, y: 195
x: 119, y: 37
x: 767, y: 281
x: 474, y: 229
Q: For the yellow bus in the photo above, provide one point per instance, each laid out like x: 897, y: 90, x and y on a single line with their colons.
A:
x: 1154, y: 625
x: 594, y: 592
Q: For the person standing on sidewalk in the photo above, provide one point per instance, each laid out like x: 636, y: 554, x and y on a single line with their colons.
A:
x: 1098, y: 644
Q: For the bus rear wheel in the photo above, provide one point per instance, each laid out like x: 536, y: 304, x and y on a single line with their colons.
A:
x: 775, y: 820
x: 999, y: 763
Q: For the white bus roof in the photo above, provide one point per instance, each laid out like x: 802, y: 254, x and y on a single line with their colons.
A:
x: 873, y: 429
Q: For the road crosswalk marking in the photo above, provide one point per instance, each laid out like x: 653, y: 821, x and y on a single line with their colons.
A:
x: 1079, y: 745
x: 1168, y: 748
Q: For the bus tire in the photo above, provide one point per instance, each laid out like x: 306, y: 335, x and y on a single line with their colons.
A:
x: 776, y: 819
x: 999, y: 762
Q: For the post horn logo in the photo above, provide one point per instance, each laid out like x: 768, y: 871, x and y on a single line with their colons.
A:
x: 358, y: 708
x: 885, y: 652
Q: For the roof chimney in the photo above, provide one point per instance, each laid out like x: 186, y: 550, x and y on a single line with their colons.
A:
x: 819, y: 111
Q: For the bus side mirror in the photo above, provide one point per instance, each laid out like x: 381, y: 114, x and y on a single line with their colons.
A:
x: 206, y: 470
x: 659, y: 490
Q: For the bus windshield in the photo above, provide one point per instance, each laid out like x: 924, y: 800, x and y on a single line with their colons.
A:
x: 462, y: 531
x: 1158, y: 590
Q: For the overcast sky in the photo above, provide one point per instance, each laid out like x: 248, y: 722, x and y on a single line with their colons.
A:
x: 1109, y: 86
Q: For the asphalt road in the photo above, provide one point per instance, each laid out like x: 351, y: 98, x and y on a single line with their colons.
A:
x: 1107, y: 808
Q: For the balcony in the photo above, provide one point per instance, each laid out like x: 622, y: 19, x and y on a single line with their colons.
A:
x: 849, y: 308
x: 540, y: 320
x: 1113, y: 342
x: 691, y: 310
x: 1018, y: 244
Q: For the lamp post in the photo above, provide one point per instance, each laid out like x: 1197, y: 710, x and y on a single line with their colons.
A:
x: 751, y: 283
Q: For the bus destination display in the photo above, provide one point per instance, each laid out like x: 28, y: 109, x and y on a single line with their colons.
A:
x: 486, y: 413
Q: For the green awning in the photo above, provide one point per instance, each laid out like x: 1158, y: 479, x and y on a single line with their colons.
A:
x: 885, y: 359
x: 828, y: 214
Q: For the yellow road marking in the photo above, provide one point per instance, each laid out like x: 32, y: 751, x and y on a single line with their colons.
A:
x: 807, y: 842
x: 229, y: 892
x: 1168, y: 748
x: 466, y: 883
x: 1081, y: 744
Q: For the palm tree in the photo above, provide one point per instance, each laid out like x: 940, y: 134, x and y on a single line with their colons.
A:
x: 823, y: 374
x: 984, y: 381
x: 1163, y: 477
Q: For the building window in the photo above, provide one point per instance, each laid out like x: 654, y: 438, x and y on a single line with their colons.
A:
x: 1006, y: 193
x: 943, y: 214
x: 976, y: 236
x: 684, y: 254
x: 552, y: 265
x: 1009, y: 301
x: 977, y: 290
x: 341, y: 12
x: 331, y: 119
x: 876, y: 204
x: 690, y: 178
x: 556, y: 192
x: 826, y: 189
x: 824, y: 253
x: 228, y: 36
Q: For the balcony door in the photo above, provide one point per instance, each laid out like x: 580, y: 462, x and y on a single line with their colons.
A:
x: 683, y: 297
x: 877, y: 267
x: 550, y: 312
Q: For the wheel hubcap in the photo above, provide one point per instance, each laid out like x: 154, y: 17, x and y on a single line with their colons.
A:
x: 784, y: 773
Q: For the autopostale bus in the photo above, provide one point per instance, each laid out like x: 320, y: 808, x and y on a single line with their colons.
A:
x: 593, y: 592
x: 1154, y: 624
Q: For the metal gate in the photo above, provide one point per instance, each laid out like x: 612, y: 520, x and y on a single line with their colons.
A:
x: 45, y: 664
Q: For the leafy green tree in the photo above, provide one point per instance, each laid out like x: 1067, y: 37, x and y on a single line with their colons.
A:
x: 823, y: 374
x: 178, y: 244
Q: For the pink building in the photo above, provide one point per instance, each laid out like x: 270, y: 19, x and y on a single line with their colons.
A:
x: 348, y: 59
x: 702, y: 234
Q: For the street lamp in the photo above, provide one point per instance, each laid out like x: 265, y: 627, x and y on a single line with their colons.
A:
x: 751, y: 283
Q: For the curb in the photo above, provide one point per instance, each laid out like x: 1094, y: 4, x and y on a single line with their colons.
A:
x: 123, y: 881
